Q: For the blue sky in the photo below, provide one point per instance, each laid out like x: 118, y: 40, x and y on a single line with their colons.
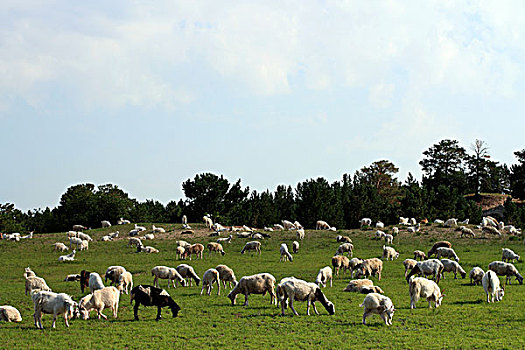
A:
x: 146, y: 95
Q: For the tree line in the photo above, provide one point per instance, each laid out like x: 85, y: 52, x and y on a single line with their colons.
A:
x: 449, y: 173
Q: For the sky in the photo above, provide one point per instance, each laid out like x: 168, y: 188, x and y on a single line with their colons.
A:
x: 147, y: 94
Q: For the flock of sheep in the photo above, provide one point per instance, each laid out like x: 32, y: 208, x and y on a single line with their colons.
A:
x: 285, y: 292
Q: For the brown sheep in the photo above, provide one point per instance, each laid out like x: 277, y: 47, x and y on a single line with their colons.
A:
x: 196, y: 249
x: 340, y: 261
x: 370, y: 267
x: 437, y: 245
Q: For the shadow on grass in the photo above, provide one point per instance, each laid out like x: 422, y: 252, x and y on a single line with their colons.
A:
x: 468, y: 302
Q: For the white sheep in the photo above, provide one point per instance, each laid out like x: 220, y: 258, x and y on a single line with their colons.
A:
x: 46, y: 302
x: 113, y: 273
x: 225, y: 239
x: 352, y: 264
x: 226, y: 275
x: 149, y: 236
x: 345, y: 248
x: 465, y: 222
x: 75, y: 240
x: 395, y: 230
x: 122, y: 221
x: 491, y: 285
x: 403, y: 221
x: 210, y: 276
x: 9, y: 314
x: 169, y: 273
x: 428, y: 267
x: 340, y: 261
x: 36, y: 283
x: 285, y: 254
x: 380, y: 234
x: 412, y: 221
x: 215, y: 247
x: 140, y: 228
x: 290, y: 289
x: 108, y: 297
x: 466, y: 232
x: 322, y: 225
x: 420, y: 287
x: 300, y: 234
x: 252, y: 245
x: 28, y: 272
x: 180, y: 252
x: 106, y: 238
x: 444, y: 252
x: 95, y: 282
x: 343, y: 239
x: 418, y: 254
x: 278, y: 227
x: 379, y: 224
x: 389, y: 239
x: 187, y: 272
x: 125, y: 282
x: 184, y: 220
x: 207, y: 221
x: 451, y: 222
x: 363, y: 286
x: 452, y: 266
x: 69, y: 257
x: 409, y: 265
x: 61, y: 247
x: 158, y: 229
x: 506, y: 269
x: 508, y: 255
x: 84, y: 245
x: 79, y: 227
x: 134, y: 241
x: 365, y: 222
x: 147, y: 249
x: 491, y: 230
x: 476, y: 275
x: 375, y: 303
x: 323, y: 276
x: 414, y: 229
x: 268, y: 229
x: 84, y: 236
x: 439, y: 222
x: 183, y: 244
x: 105, y: 223
x: 260, y: 283
x: 389, y: 253
x: 295, y: 247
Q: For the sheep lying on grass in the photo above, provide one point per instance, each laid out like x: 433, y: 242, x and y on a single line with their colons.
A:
x: 10, y: 314
x: 363, y: 286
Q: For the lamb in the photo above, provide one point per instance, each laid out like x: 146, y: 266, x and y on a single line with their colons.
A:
x: 365, y: 222
x: 300, y: 234
x: 428, y: 267
x: 380, y: 234
x: 95, y: 282
x: 506, y: 269
x: 296, y: 289
x: 389, y: 253
x: 295, y: 247
x: 340, y: 261
x: 9, y: 314
x: 69, y: 257
x: 149, y: 236
x: 466, y: 232
x: 210, y: 276
x: 343, y: 239
x: 36, y: 283
x: 285, y: 254
x: 107, y: 297
x: 323, y: 276
x: 226, y: 275
x: 84, y: 245
x: 75, y: 240
x: 72, y: 278
x: 169, y: 273
x: 453, y: 266
x: 134, y: 241
x: 451, y: 222
x: 48, y: 302
x: 345, y: 248
x: 215, y: 247
x: 125, y: 282
x: 370, y: 267
x: 113, y: 273
x: 187, y: 272
x: 147, y: 249
x: 122, y: 221
x: 252, y: 245
x: 158, y: 229
x: 491, y: 230
x: 180, y: 253
x: 225, y: 240
x: 151, y: 296
x: 409, y: 265
x: 447, y: 253
x: 105, y: 223
x: 363, y: 286
x: 322, y: 225
x: 375, y: 303
x: 418, y: 254
x: 389, y: 239
x: 61, y: 247
x: 491, y: 285
x: 420, y: 287
x: 197, y: 249
x: 476, y: 275
x: 437, y: 245
x: 508, y: 255
x: 352, y: 264
x: 79, y: 227
x: 261, y: 283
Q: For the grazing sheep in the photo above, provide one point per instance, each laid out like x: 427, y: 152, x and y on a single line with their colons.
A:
x: 352, y: 264
x: 182, y: 244
x: 365, y: 222
x: 428, y: 267
x: 134, y: 241
x: 47, y: 302
x: 287, y: 225
x: 9, y: 314
x: 340, y: 261
x: 113, y: 273
x: 125, y: 282
x: 322, y: 225
x: 84, y: 245
x: 451, y: 222
x: 375, y: 303
x: 380, y: 234
x: 452, y: 266
x: 210, y: 276
x: 476, y: 275
x: 75, y: 240
x: 107, y: 297
x: 295, y: 247
x: 226, y: 275
x: 345, y: 248
x: 389, y: 239
x: 169, y: 273
x: 395, y: 230
x: 323, y: 276
x: 420, y: 287
x: 409, y: 265
x: 418, y: 254
x: 225, y: 240
x: 84, y: 237
x: 506, y: 269
x: 300, y: 234
x: 491, y: 230
x: 157, y: 229
x: 343, y: 239
x: 285, y: 254
x: 151, y: 296
x: 197, y: 249
x: 147, y: 249
x: 389, y: 253
x: 187, y: 272
x: 446, y: 253
x: 466, y: 232
x: 215, y: 247
x: 369, y: 267
x: 180, y: 252
x: 508, y: 255
x: 105, y: 223
x: 255, y: 284
x: 252, y: 245
x: 95, y: 282
x: 61, y: 247
x: 437, y: 245
x: 491, y: 285
x: 290, y: 289
x: 79, y: 227
x: 36, y: 283
x: 298, y: 225
x: 278, y: 227
x: 69, y: 257
x: 333, y: 229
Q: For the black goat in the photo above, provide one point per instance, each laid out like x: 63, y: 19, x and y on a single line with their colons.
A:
x: 151, y: 296
x: 84, y: 279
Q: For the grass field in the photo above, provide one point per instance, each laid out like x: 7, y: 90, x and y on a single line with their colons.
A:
x: 465, y: 320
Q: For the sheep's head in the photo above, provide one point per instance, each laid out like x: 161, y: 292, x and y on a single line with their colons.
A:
x: 175, y: 308
x: 519, y: 278
x: 463, y: 274
x: 232, y: 297
x: 500, y: 293
x: 222, y: 252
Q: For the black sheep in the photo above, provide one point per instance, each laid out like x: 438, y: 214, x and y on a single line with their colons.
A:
x: 152, y: 296
x: 84, y: 279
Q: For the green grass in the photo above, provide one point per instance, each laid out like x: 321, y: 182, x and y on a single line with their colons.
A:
x: 465, y: 320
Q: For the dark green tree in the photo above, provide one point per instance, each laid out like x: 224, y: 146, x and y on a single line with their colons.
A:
x: 517, y: 176
x: 444, y: 165
x: 206, y: 195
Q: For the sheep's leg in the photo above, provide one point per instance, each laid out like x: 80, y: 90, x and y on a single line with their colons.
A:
x: 100, y: 314
x: 115, y: 310
x: 315, y: 309
x: 218, y: 287
x: 246, y: 299
x: 202, y: 289
x: 136, y: 311
x: 365, y: 315
x: 55, y: 320
x: 159, y: 310
x: 290, y: 302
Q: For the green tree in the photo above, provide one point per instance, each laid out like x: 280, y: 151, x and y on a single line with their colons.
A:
x: 206, y: 194
x: 11, y: 219
x: 517, y: 176
x: 444, y: 165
